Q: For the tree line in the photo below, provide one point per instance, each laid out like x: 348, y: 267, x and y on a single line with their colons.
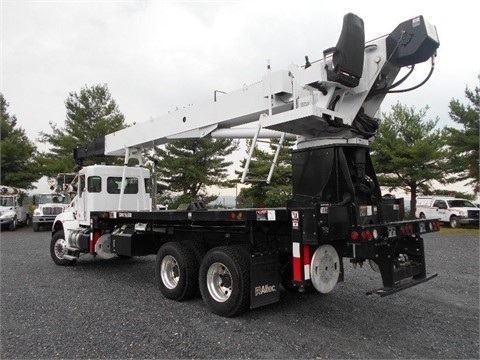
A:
x: 409, y: 152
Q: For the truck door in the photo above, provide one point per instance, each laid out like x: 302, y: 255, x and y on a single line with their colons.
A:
x: 440, y: 209
x: 20, y: 209
x: 82, y: 199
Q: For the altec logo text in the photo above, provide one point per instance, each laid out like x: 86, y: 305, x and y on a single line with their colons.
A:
x: 264, y: 289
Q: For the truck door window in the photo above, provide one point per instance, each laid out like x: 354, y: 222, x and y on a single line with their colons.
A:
x: 81, y: 185
x: 131, y: 186
x: 440, y: 204
x: 460, y: 203
x: 94, y: 184
x: 114, y: 184
x: 147, y: 185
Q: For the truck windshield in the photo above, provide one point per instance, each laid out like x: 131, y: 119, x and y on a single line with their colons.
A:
x: 6, y: 201
x: 460, y: 203
x: 53, y: 198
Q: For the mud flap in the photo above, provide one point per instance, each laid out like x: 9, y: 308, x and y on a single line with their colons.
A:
x: 265, y: 280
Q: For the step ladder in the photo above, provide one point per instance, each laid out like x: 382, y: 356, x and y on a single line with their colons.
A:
x: 250, y: 155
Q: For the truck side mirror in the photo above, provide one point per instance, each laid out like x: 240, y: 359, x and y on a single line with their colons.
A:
x: 34, y: 199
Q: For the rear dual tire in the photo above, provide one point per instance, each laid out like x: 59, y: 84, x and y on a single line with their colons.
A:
x: 223, y: 276
x: 225, y: 281
x: 177, y: 271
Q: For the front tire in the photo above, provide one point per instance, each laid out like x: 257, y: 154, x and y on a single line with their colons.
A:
x: 176, y: 271
x: 225, y: 281
x: 36, y: 227
x: 454, y: 223
x: 13, y: 224
x: 58, y: 249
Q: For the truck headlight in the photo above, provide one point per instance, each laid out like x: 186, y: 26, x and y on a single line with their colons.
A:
x: 37, y: 212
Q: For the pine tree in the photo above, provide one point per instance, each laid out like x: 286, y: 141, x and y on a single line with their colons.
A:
x: 187, y: 167
x: 464, y: 143
x: 409, y: 151
x: 17, y: 152
x: 91, y: 113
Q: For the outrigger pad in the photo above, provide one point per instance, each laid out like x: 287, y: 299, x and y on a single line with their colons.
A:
x: 405, y: 284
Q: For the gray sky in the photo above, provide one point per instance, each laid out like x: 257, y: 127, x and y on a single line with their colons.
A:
x: 155, y: 55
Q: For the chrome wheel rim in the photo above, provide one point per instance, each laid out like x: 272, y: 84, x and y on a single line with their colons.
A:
x: 219, y: 282
x: 170, y: 272
x: 60, y: 248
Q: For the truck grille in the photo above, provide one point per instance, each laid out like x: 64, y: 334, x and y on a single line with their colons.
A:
x: 474, y: 214
x: 52, y: 210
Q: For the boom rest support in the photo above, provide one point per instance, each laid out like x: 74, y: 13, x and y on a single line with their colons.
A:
x: 348, y: 55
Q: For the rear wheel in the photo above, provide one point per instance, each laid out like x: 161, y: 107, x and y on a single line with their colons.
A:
x: 58, y: 249
x: 422, y: 216
x: 177, y: 271
x: 225, y: 281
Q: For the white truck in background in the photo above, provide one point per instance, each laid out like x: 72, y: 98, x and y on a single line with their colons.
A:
x: 12, y: 211
x: 49, y: 205
x: 449, y: 210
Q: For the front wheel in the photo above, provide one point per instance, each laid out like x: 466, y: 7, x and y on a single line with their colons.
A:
x: 58, y: 249
x: 177, y: 271
x: 225, y: 281
x: 13, y: 224
x: 454, y: 223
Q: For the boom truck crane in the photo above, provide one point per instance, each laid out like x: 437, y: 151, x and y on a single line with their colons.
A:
x: 238, y: 258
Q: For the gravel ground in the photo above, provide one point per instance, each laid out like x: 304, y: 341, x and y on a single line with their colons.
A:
x: 112, y: 309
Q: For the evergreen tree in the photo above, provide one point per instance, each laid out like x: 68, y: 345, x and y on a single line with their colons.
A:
x: 187, y: 167
x: 91, y: 113
x: 279, y: 190
x: 409, y: 152
x: 464, y: 143
x: 17, y: 160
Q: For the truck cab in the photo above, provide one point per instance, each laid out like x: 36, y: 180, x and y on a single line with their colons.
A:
x: 449, y: 210
x: 12, y: 211
x: 48, y: 207
x: 103, y: 188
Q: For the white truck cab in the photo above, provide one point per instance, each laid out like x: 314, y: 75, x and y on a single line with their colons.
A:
x: 449, y: 210
x: 105, y: 188
x: 49, y: 205
x: 12, y: 211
